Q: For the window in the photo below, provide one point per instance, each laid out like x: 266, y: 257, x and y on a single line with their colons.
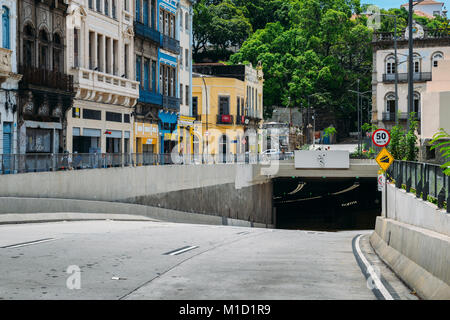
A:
x: 147, y: 74
x: 161, y: 74
x: 153, y: 13
x: 106, y: 7
x: 113, y: 116
x: 76, y: 113
x: 416, y: 103
x: 92, y: 114
x: 181, y: 58
x: 187, y: 57
x: 224, y: 105
x: 194, y: 106
x: 58, y: 53
x: 145, y: 9
x: 181, y: 92
x: 154, y: 76
x: 6, y: 28
x: 187, y: 95
x: 172, y: 26
x: 181, y: 19
x: 238, y: 106
x: 138, y: 69
x: 98, y: 6
x: 75, y: 48
x: 436, y: 57
x: 126, y: 5
x: 138, y: 10
x: 417, y: 63
x: 114, y: 9
x: 390, y: 104
x: 126, y: 118
x: 91, y: 4
x: 43, y: 49
x: 186, y: 19
x: 125, y: 56
x: 390, y: 65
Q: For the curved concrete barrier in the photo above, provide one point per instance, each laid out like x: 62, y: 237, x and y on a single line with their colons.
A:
x: 420, y: 257
x: 50, y: 209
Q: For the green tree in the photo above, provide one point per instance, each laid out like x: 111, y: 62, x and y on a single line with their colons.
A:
x: 441, y: 141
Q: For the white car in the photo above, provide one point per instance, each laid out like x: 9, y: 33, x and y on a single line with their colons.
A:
x: 271, y: 154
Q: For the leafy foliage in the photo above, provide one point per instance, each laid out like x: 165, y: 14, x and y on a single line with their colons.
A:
x: 441, y: 141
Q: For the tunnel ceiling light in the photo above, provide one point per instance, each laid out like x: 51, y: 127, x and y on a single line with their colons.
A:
x: 353, y: 187
x: 300, y: 186
x: 299, y: 200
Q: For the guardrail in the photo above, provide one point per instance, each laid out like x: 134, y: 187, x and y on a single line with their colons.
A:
x: 44, y: 162
x: 426, y: 180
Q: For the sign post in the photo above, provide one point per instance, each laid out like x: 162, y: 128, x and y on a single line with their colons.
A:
x: 381, y: 138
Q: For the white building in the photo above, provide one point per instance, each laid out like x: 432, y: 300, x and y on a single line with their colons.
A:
x: 187, y: 115
x: 9, y: 80
x: 427, y: 8
x: 100, y: 50
x: 429, y: 50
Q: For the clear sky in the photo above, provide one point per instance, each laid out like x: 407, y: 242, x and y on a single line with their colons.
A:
x: 386, y: 4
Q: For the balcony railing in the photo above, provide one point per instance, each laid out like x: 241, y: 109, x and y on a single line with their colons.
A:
x: 390, y: 116
x: 225, y: 119
x: 46, y: 78
x: 403, y: 77
x: 170, y: 44
x: 240, y: 120
x: 147, y: 32
x: 380, y: 37
x: 171, y: 103
x: 147, y: 96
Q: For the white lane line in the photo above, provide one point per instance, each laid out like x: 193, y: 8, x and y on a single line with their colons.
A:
x: 369, y: 268
x: 27, y: 243
x: 182, y: 250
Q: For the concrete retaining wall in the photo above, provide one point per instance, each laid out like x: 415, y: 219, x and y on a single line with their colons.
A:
x: 233, y: 191
x: 100, y: 209
x: 413, y: 238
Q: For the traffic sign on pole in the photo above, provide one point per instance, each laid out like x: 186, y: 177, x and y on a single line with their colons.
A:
x: 384, y: 159
x: 381, y: 138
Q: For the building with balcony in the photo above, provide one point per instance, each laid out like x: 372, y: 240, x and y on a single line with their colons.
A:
x: 187, y: 117
x: 147, y: 42
x: 46, y: 90
x: 430, y: 48
x: 428, y: 8
x: 100, y: 52
x: 9, y: 81
x: 247, y: 106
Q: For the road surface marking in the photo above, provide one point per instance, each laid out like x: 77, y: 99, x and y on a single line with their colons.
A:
x: 180, y: 251
x: 29, y: 243
x: 369, y: 269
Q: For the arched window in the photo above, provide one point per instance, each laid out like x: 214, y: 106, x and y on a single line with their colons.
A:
x: 390, y: 65
x: 390, y: 107
x: 436, y: 58
x: 43, y: 49
x: 417, y: 61
x: 6, y: 28
x: 28, y: 46
x: 58, y: 53
x: 417, y: 103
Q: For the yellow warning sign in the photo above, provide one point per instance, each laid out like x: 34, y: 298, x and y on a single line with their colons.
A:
x: 384, y: 159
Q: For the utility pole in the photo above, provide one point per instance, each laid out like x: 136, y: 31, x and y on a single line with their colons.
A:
x: 357, y: 109
x: 396, y: 72
x: 410, y: 61
x: 207, y: 133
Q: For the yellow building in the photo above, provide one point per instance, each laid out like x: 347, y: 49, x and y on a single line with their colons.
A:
x: 146, y: 137
x: 228, y: 104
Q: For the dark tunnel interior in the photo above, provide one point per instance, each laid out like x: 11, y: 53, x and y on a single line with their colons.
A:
x: 326, y: 204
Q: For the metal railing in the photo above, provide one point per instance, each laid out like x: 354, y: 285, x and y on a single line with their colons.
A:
x: 44, y: 162
x: 424, y: 179
x: 403, y: 77
x: 225, y: 119
x: 147, y: 32
x: 46, y: 78
x: 170, y: 44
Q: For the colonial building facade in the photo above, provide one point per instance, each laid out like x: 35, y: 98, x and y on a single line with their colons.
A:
x: 46, y: 90
x: 9, y: 80
x: 101, y: 61
x: 430, y: 48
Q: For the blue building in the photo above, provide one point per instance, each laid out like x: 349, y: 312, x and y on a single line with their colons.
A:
x: 157, y: 49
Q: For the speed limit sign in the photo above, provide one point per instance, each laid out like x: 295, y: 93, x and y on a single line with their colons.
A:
x: 381, y: 138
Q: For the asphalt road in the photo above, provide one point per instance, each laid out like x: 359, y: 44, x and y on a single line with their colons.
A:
x: 156, y: 260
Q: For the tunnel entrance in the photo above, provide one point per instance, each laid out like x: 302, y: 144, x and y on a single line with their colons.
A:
x: 326, y: 204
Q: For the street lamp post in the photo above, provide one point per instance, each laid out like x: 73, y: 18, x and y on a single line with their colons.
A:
x: 207, y: 133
